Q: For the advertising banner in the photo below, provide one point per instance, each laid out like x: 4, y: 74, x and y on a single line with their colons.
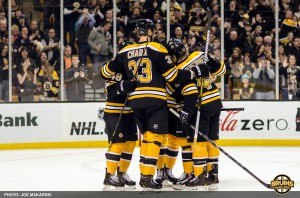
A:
x: 71, y: 122
x: 260, y: 120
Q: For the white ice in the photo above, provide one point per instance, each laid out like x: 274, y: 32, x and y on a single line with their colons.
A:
x: 83, y: 169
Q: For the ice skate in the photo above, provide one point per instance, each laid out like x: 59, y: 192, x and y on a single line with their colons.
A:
x: 112, y: 183
x: 124, y: 177
x: 180, y: 184
x: 198, y: 183
x: 213, y: 178
x: 149, y: 184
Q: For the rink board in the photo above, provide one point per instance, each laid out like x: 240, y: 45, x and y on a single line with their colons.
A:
x: 79, y: 125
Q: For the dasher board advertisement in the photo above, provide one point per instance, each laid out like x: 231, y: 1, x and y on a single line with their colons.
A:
x: 261, y: 120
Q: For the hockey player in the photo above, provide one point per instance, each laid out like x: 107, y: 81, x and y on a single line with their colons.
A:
x: 205, y: 155
x: 123, y: 140
x: 149, y: 64
x: 185, y: 97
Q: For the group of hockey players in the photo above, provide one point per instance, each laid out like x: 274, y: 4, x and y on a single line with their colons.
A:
x: 149, y: 79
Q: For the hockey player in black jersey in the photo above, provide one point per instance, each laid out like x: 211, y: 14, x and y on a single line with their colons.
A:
x: 150, y: 65
x: 118, y: 156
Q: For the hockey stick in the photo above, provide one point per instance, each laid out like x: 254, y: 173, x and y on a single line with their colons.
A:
x: 225, y: 153
x: 200, y: 81
x: 125, y: 102
x: 232, y: 109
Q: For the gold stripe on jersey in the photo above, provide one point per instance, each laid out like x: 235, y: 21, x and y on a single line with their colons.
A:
x: 221, y: 71
x: 106, y: 72
x: 151, y: 92
x: 147, y: 96
x: 210, y: 96
x: 171, y: 102
x: 189, y: 89
x: 170, y: 90
x: 112, y: 107
x: 171, y: 74
x: 195, y: 58
x: 153, y: 45
x: 210, y: 92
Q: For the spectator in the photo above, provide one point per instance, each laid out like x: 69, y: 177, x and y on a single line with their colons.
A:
x: 100, y: 42
x: 51, y: 46
x: 34, y: 32
x: 231, y: 41
x: 246, y: 91
x: 48, y: 80
x: 24, y: 54
x: 235, y: 62
x: 4, y: 83
x: 247, y: 66
x: 83, y: 28
x: 75, y: 80
x: 265, y: 80
x: 67, y: 57
x: 23, y: 40
x: 71, y: 14
x: 3, y: 31
x: 295, y: 49
x: 290, y: 74
x: 15, y: 32
x: 160, y: 38
x: 27, y: 81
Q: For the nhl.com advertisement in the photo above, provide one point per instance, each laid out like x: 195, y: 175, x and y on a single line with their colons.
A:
x: 53, y: 122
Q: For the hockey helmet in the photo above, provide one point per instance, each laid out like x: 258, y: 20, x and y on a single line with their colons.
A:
x: 142, y: 27
x: 176, y: 47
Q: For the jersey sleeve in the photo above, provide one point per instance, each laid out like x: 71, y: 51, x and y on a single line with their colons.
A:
x: 112, y: 67
x: 217, y: 68
x: 190, y: 92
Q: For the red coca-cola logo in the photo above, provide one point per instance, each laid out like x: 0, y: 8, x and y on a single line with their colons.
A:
x: 229, y: 123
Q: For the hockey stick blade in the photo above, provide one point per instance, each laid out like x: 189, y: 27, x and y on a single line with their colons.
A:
x: 225, y: 153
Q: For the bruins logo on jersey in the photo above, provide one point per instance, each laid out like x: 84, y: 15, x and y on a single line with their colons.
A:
x: 47, y: 86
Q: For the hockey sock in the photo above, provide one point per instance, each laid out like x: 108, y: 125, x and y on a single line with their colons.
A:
x: 126, y: 156
x: 187, y: 159
x: 171, y: 151
x: 153, y: 142
x: 113, y: 156
x: 142, y: 156
x: 162, y: 154
x: 199, y: 157
x: 213, y: 155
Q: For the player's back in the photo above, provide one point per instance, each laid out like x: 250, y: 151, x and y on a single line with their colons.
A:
x: 151, y: 66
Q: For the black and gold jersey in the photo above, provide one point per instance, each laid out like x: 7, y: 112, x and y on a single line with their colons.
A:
x: 114, y: 100
x: 151, y: 66
x: 210, y: 93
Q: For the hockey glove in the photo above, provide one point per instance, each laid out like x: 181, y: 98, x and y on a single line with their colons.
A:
x: 127, y: 86
x: 201, y: 71
x: 185, y: 117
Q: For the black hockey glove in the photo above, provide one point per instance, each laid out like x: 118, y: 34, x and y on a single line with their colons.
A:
x: 126, y: 86
x: 201, y: 71
x: 185, y: 117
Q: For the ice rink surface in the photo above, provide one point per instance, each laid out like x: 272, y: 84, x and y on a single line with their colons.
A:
x: 83, y: 169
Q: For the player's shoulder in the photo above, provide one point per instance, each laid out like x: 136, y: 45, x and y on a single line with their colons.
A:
x: 131, y: 47
x: 157, y: 47
x: 196, y: 54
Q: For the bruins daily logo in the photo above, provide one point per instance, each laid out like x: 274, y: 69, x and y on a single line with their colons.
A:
x: 282, y: 184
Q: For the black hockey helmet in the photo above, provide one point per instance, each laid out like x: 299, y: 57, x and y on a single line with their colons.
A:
x: 143, y: 25
x: 124, y: 44
x: 176, y: 47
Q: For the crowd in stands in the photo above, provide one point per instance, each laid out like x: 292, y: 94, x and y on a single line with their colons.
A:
x: 249, y: 54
